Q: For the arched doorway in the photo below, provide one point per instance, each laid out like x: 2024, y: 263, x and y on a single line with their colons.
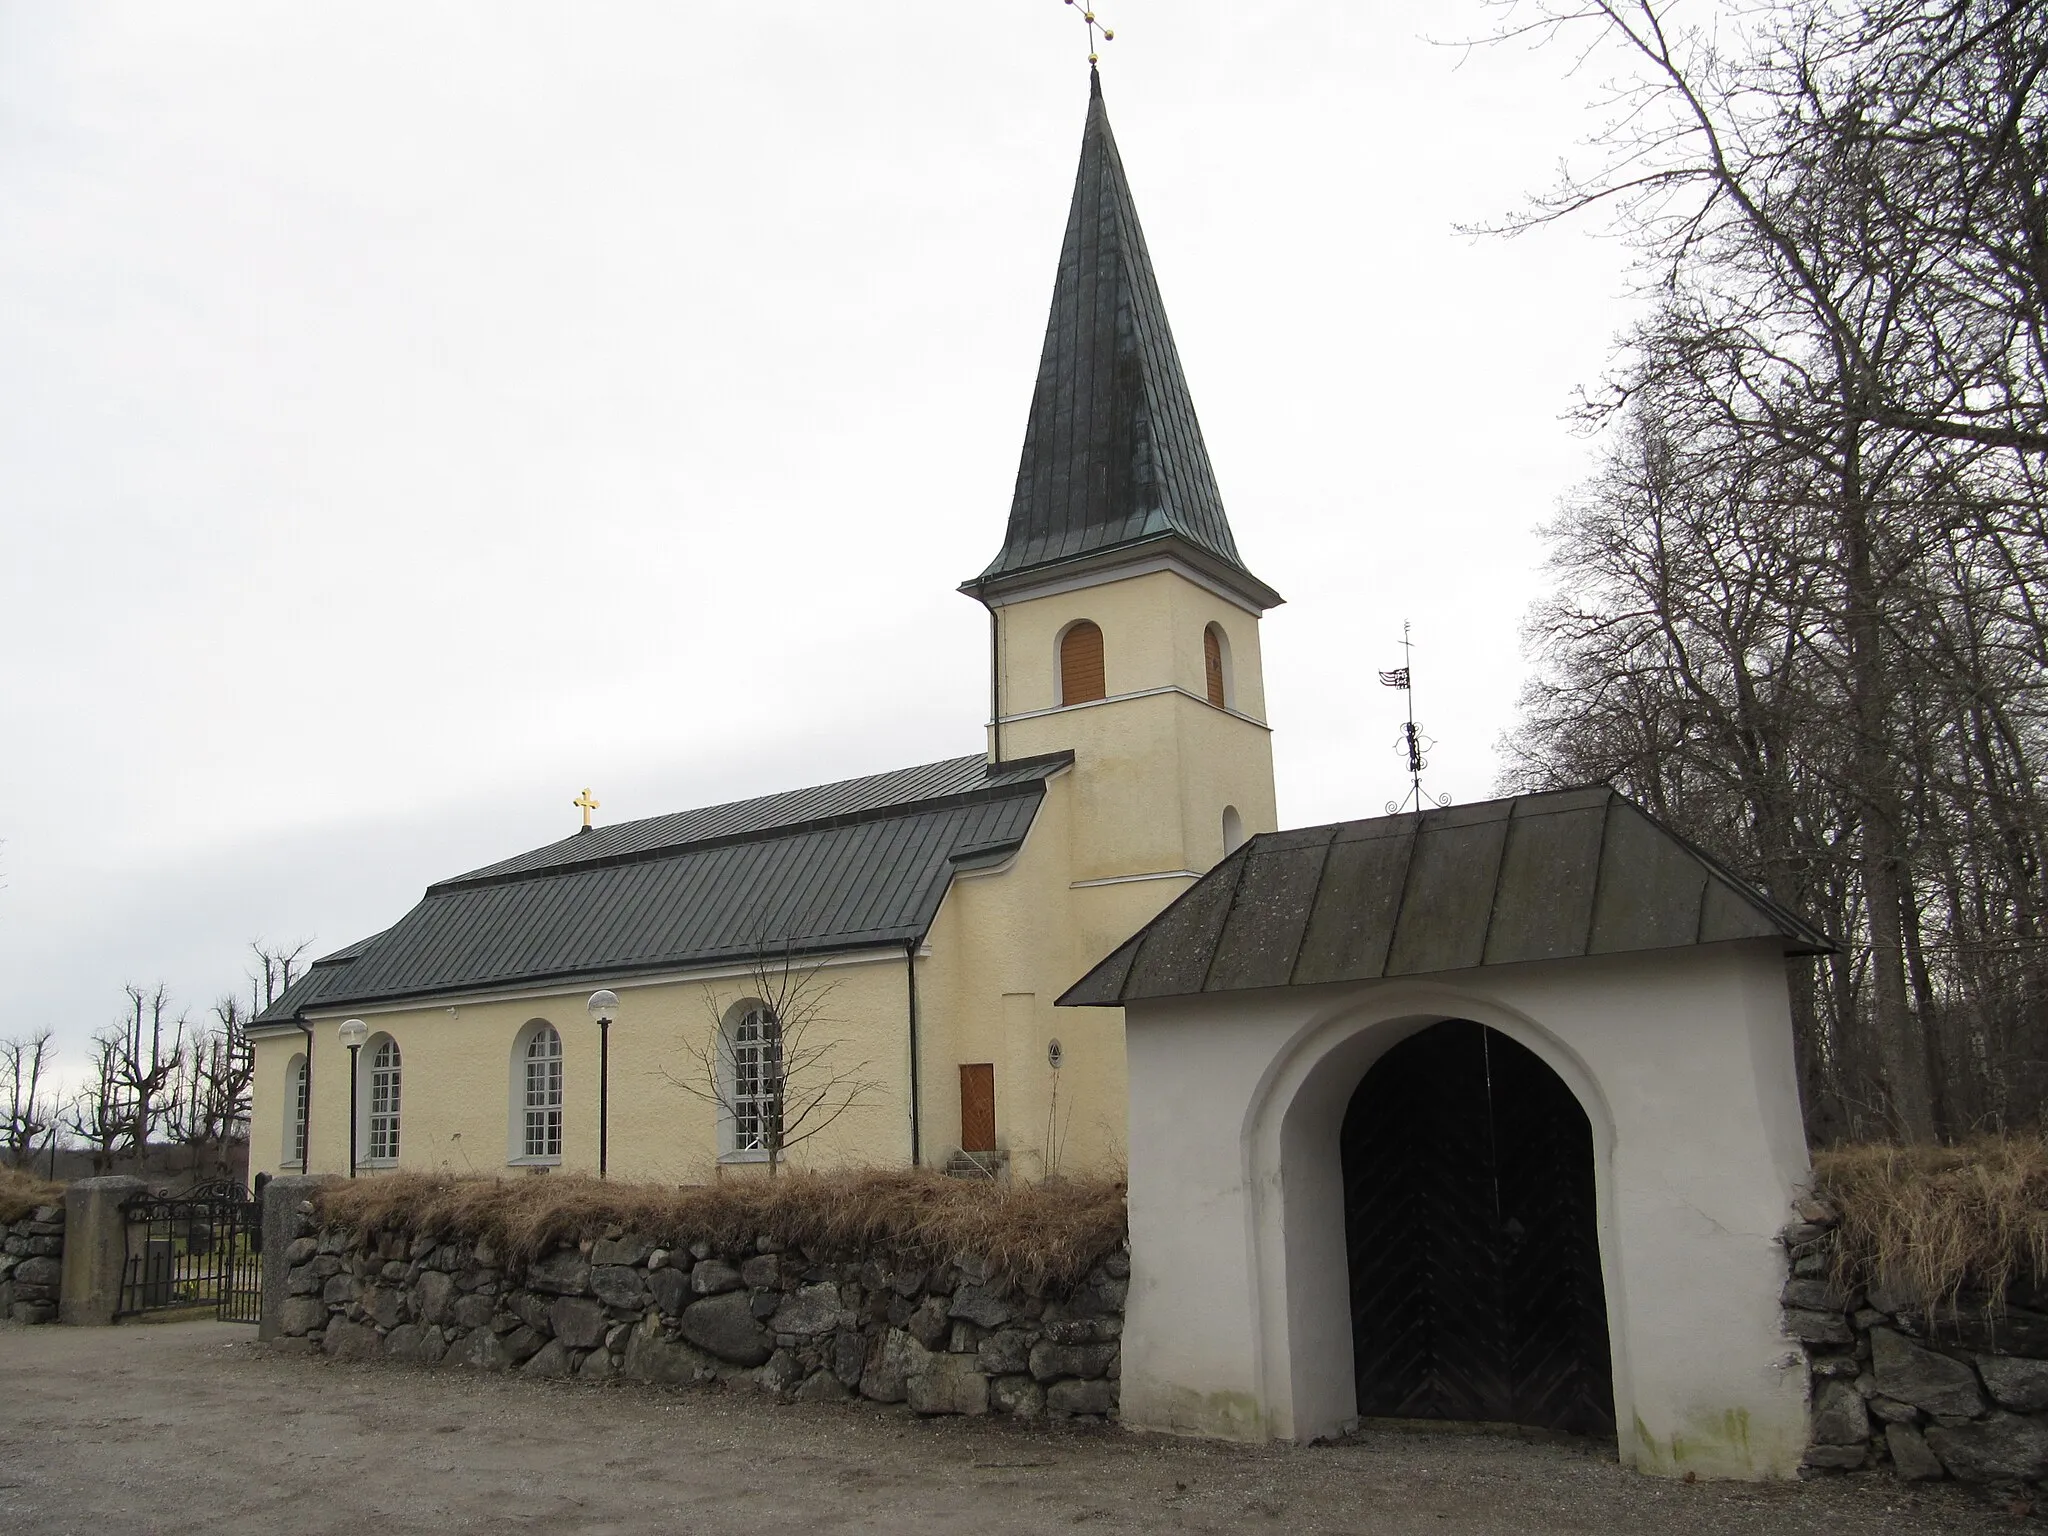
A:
x: 1471, y: 1228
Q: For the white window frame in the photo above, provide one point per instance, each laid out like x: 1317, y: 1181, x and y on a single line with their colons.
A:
x: 752, y: 1048
x: 529, y: 1106
x: 383, y: 1101
x: 296, y: 1085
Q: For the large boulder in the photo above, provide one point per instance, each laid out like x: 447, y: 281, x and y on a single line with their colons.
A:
x: 812, y: 1310
x: 621, y: 1250
x: 712, y: 1277
x: 726, y: 1327
x: 1077, y: 1397
x: 577, y: 1321
x: 618, y: 1286
x: 384, y: 1306
x: 415, y: 1345
x: 351, y: 1341
x: 894, y: 1358
x: 948, y: 1384
x: 1932, y: 1382
x: 1052, y: 1361
x: 1993, y: 1331
x: 565, y: 1272
x: 651, y: 1355
x: 1911, y: 1458
x: 550, y: 1361
x: 482, y: 1350
x: 982, y: 1304
x: 2001, y: 1448
x: 301, y: 1315
x: 432, y: 1294
x: 2021, y: 1385
x: 1839, y: 1416
x: 671, y: 1290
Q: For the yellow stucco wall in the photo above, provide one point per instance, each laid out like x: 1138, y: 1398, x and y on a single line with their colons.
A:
x: 1114, y: 841
x: 457, y: 1101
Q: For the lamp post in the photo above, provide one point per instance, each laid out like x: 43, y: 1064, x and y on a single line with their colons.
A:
x: 604, y: 1007
x: 353, y: 1033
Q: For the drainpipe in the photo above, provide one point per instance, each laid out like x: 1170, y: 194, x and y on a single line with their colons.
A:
x: 916, y: 1107
x: 995, y: 687
x: 306, y: 1158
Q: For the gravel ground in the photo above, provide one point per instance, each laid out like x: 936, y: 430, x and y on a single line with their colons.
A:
x: 196, y: 1427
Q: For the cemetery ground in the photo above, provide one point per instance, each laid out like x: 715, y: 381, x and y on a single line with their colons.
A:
x: 190, y: 1427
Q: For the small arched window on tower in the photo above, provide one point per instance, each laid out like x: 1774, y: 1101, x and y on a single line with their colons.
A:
x: 1216, y: 666
x: 1081, y: 673
x: 1233, y: 831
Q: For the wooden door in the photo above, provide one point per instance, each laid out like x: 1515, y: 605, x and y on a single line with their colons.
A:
x: 978, y: 1107
x: 1475, y: 1257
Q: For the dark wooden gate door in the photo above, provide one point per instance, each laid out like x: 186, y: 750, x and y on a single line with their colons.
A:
x: 978, y: 1107
x: 1472, y: 1228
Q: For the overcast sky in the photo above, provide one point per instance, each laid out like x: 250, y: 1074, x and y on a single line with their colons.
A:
x: 411, y: 413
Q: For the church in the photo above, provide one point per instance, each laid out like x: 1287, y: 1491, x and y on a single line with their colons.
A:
x: 862, y: 972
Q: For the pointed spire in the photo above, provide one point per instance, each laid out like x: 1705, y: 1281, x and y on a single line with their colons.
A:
x: 1113, y: 455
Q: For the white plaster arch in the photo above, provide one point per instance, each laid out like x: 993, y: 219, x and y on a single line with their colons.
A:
x: 1293, y: 1173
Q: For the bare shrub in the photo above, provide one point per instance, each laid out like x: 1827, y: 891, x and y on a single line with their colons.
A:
x: 1035, y: 1234
x: 1932, y: 1222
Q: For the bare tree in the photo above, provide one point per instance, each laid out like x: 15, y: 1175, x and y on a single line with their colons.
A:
x: 98, y: 1114
x: 772, y: 1068
x: 24, y: 1062
x: 276, y: 968
x: 1838, y: 207
x: 210, y: 1095
x: 148, y: 1052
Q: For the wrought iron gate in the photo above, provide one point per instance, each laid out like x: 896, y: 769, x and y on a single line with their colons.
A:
x: 1472, y: 1228
x: 199, y: 1250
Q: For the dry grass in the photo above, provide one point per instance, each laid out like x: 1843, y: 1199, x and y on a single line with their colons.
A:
x: 1036, y: 1234
x: 1931, y: 1222
x: 21, y: 1193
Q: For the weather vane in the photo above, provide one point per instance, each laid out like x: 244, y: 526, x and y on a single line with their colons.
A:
x: 1094, y: 27
x: 1411, y: 738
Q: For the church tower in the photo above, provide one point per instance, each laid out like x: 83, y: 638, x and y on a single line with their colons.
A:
x: 1125, y: 626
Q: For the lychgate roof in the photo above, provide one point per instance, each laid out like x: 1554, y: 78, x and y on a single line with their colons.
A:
x: 859, y: 864
x: 1536, y: 877
x: 1113, y: 455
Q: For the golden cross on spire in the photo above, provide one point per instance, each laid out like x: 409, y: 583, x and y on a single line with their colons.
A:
x: 587, y: 804
x: 1094, y: 27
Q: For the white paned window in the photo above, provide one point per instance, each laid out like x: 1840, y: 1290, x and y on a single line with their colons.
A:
x: 756, y: 1081
x: 297, y: 1139
x: 384, y: 1083
x: 544, y: 1093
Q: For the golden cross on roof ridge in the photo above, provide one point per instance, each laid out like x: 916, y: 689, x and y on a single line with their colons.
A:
x: 1094, y: 27
x: 587, y: 804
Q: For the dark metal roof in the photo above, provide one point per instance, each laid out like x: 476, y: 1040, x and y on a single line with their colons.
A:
x: 1537, y: 877
x: 871, y: 874
x: 779, y: 812
x: 1113, y: 455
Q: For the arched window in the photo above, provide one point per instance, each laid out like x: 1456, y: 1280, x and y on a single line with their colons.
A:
x: 1216, y: 666
x: 1233, y: 831
x: 537, y: 1092
x: 385, y: 1069
x: 1081, y: 673
x: 753, y: 1053
x: 295, y: 1093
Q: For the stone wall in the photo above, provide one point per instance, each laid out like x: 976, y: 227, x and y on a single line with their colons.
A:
x: 32, y: 1265
x: 1960, y: 1392
x: 943, y: 1338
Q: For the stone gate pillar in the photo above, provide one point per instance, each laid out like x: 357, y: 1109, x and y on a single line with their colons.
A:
x: 95, y: 1249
